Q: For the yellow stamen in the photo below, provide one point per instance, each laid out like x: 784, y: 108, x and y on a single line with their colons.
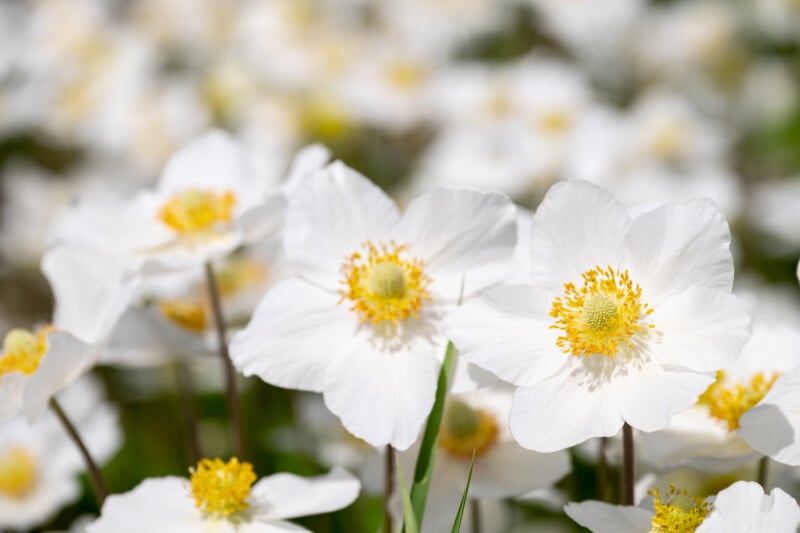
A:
x: 555, y: 122
x: 18, y: 473
x: 186, y: 313
x: 465, y: 429
x: 678, y: 513
x: 405, y: 75
x: 23, y: 350
x: 384, y: 284
x: 220, y: 489
x: 668, y: 141
x: 601, y: 316
x: 729, y: 401
x: 197, y: 211
x: 239, y: 274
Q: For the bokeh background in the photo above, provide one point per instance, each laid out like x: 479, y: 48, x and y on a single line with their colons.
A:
x: 655, y: 100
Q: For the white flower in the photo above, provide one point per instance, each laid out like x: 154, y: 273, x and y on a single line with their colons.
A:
x: 623, y: 319
x: 363, y: 325
x: 221, y: 497
x: 706, y: 436
x: 209, y: 201
x: 91, y: 291
x: 741, y: 508
x: 478, y: 421
x: 39, y: 464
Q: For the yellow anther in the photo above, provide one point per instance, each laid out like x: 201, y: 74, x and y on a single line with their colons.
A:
x: 18, y: 473
x: 405, y: 75
x: 197, y: 211
x: 728, y: 401
x: 465, y: 429
x: 677, y: 512
x: 600, y: 317
x: 555, y: 122
x: 384, y: 284
x: 220, y: 489
x: 23, y: 350
x: 188, y: 314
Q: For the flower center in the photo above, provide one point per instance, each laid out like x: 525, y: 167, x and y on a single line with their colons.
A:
x: 197, y: 210
x: 384, y: 284
x: 729, y: 401
x: 186, y: 313
x: 465, y: 429
x: 220, y: 489
x: 668, y: 141
x: 555, y: 122
x: 18, y: 473
x: 405, y: 75
x: 601, y: 316
x: 23, y: 350
x: 677, y: 512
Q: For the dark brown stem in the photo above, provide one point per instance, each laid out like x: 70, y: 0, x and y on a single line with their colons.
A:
x: 627, y: 465
x: 230, y: 376
x: 183, y: 378
x: 388, y: 488
x: 475, y: 515
x: 95, y: 476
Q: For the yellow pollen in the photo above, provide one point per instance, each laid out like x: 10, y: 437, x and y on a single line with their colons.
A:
x: 220, y: 489
x: 23, y: 350
x: 197, y: 211
x: 555, y: 122
x: 383, y: 284
x: 239, y: 274
x: 465, y: 429
x: 601, y: 316
x: 678, y: 513
x: 668, y: 141
x: 729, y: 401
x: 405, y: 75
x: 18, y: 473
x: 188, y: 314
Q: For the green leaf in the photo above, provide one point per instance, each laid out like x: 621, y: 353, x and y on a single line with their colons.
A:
x: 463, y: 504
x: 427, y: 451
x: 409, y: 519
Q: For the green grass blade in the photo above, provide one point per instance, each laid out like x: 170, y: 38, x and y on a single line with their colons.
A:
x: 427, y: 451
x: 463, y: 504
x: 409, y: 519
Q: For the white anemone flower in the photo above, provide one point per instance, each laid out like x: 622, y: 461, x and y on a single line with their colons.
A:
x: 478, y: 420
x: 210, y: 200
x: 222, y: 497
x: 39, y: 464
x: 92, y: 290
x: 622, y: 320
x: 364, y: 323
x: 741, y: 508
x: 705, y: 436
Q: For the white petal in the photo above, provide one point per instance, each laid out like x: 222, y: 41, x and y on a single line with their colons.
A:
x: 506, y: 331
x: 289, y: 496
x: 744, y: 508
x: 701, y: 329
x: 648, y: 396
x: 158, y: 504
x: 267, y: 527
x: 473, y: 241
x: 214, y: 161
x: 67, y: 358
x: 92, y: 289
x: 773, y: 426
x: 11, y: 389
x: 678, y: 246
x: 569, y: 408
x: 578, y: 226
x: 307, y: 161
x: 329, y: 217
x: 264, y: 220
x: 601, y: 517
x: 384, y: 396
x: 508, y: 470
x: 294, y: 333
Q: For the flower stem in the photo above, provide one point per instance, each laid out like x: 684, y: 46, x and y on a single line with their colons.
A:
x: 763, y: 470
x: 230, y: 377
x: 388, y: 488
x: 183, y: 378
x: 95, y: 476
x: 627, y: 464
x: 475, y: 515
